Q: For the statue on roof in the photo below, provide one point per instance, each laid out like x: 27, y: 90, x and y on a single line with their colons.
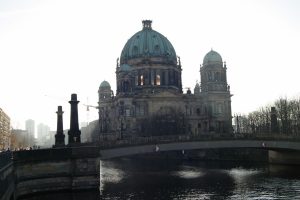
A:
x: 179, y: 62
x: 118, y: 65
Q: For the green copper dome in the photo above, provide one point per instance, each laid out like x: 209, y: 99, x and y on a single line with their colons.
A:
x: 212, y: 57
x: 148, y: 43
x: 105, y: 84
x: 125, y: 68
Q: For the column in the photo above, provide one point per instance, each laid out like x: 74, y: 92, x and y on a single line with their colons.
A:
x: 152, y: 76
x: 74, y: 132
x: 166, y: 77
x: 59, y: 136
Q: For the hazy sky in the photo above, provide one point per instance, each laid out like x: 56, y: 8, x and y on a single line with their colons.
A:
x: 50, y: 49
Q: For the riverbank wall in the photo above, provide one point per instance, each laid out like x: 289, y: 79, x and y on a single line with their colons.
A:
x: 45, y: 170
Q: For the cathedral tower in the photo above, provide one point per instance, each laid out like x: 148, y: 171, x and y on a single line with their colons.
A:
x: 216, y: 92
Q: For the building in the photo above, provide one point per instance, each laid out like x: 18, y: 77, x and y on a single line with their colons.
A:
x: 4, y: 130
x: 149, y: 99
x: 30, y: 128
x: 90, y: 132
x: 44, y: 138
x: 20, y: 139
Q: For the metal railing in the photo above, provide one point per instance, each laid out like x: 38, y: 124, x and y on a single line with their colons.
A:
x: 134, y: 141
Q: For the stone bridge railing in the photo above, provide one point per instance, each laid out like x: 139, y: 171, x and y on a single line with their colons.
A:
x: 107, y: 144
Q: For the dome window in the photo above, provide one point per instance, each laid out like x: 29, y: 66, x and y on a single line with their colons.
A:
x: 135, y: 50
x: 157, y: 49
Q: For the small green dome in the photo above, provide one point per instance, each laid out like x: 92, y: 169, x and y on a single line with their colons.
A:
x: 212, y: 57
x: 148, y: 43
x: 105, y: 84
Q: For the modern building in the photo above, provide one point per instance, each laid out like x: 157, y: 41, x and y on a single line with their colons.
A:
x: 30, y: 128
x: 149, y: 99
x: 4, y: 130
x: 44, y: 138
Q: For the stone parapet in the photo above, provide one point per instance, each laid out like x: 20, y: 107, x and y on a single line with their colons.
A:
x: 45, y: 170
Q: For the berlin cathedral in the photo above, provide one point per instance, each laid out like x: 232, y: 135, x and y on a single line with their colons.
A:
x: 149, y: 100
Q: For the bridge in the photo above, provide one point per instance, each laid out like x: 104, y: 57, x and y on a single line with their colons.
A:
x: 276, y: 144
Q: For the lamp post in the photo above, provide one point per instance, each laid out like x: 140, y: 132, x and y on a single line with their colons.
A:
x: 237, y: 121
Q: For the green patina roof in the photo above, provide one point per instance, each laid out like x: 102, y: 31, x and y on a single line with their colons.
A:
x: 212, y: 57
x: 104, y: 84
x: 148, y: 42
x: 125, y: 67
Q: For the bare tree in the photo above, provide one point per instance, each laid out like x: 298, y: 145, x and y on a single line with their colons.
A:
x: 288, y: 118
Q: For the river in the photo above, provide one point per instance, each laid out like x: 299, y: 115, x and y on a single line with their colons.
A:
x: 138, y: 179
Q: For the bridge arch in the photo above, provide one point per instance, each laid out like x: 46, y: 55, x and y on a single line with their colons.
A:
x: 197, y: 145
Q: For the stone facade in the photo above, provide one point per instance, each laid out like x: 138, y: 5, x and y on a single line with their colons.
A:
x: 149, y: 99
x: 4, y: 130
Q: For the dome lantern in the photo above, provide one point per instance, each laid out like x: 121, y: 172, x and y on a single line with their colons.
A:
x: 147, y: 24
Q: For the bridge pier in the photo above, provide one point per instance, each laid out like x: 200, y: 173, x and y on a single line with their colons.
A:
x: 285, y: 157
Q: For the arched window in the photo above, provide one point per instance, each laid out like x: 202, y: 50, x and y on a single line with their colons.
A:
x: 220, y: 108
x: 217, y: 76
x: 142, y: 80
x: 157, y: 79
x: 209, y: 76
x: 156, y: 49
x: 198, y: 111
x: 126, y: 86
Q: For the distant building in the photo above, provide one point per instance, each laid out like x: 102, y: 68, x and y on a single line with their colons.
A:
x: 4, y: 130
x: 30, y: 128
x: 44, y: 138
x: 20, y: 139
x: 149, y: 98
x: 90, y: 132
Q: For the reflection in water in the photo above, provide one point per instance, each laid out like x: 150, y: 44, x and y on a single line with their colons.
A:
x: 164, y: 179
x: 109, y: 172
x: 189, y: 172
x: 243, y: 176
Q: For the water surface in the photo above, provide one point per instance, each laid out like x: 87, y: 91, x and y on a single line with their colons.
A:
x: 163, y: 179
